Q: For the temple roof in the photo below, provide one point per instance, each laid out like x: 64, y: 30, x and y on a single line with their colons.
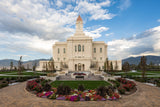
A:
x: 79, y: 18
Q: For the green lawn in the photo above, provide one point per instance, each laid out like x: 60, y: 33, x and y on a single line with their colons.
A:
x: 8, y: 72
x: 139, y: 73
x: 87, y: 84
x: 24, y: 73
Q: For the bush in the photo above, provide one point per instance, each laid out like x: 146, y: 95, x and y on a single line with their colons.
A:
x: 158, y: 83
x: 60, y: 89
x: 43, y: 82
x: 3, y: 85
x: 127, y: 87
x: 63, y: 90
x: 67, y: 90
x: 110, y: 90
x: 117, y: 84
x: 34, y: 86
x: 47, y: 87
x: 101, y: 91
x: 121, y: 90
x: 81, y: 88
x: 4, y: 82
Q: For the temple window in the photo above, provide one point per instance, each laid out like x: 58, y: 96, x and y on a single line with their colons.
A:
x: 79, y: 48
x: 58, y: 50
x: 100, y: 50
x: 94, y: 50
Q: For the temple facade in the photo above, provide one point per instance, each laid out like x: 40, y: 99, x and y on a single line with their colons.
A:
x: 80, y: 53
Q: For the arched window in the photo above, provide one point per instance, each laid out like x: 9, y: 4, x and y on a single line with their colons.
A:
x: 83, y: 48
x: 79, y: 48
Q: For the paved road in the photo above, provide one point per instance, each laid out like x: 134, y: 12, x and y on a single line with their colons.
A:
x: 17, y: 96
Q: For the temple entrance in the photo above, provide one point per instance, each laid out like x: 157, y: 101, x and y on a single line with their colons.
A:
x: 79, y: 67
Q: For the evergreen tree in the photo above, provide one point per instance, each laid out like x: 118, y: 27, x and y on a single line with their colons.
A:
x: 126, y: 67
x: 11, y: 65
x: 143, y: 65
x: 116, y: 66
x: 20, y: 65
x: 111, y: 66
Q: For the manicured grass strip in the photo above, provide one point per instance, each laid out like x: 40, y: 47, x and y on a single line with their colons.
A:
x: 75, y: 84
x: 27, y: 73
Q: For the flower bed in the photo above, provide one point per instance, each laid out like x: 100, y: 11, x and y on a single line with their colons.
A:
x: 65, y: 93
x: 126, y: 85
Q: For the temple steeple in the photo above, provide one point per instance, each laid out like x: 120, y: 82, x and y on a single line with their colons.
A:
x: 79, y: 25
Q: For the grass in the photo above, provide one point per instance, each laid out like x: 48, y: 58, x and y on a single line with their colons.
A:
x: 87, y: 84
x: 5, y: 72
x: 23, y: 73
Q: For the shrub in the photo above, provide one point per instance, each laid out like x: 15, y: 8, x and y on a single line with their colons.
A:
x: 158, y: 83
x: 43, y: 82
x: 121, y: 90
x: 67, y: 90
x: 63, y: 90
x: 3, y: 85
x: 4, y: 82
x: 127, y: 87
x: 81, y: 88
x: 60, y: 89
x: 47, y: 87
x: 117, y: 84
x: 101, y: 91
x: 34, y: 86
x: 110, y: 90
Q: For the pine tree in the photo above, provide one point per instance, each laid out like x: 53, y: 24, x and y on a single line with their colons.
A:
x: 11, y: 65
x: 143, y: 65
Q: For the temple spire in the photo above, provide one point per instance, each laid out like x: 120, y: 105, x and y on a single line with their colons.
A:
x: 79, y: 25
x: 79, y: 18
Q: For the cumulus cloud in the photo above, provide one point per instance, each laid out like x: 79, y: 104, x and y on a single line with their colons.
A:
x: 146, y: 43
x: 35, y: 25
x: 24, y: 42
x: 95, y: 10
x: 36, y: 17
x: 96, y: 33
x: 59, y: 3
x: 158, y: 20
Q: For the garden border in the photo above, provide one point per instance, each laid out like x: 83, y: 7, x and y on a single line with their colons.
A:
x: 122, y: 96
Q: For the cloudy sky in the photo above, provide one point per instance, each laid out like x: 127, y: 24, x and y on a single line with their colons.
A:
x: 30, y: 27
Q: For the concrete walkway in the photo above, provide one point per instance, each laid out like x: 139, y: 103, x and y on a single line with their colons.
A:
x: 17, y: 96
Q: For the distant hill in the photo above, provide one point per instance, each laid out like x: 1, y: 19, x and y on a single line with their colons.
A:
x: 136, y: 60
x: 6, y: 62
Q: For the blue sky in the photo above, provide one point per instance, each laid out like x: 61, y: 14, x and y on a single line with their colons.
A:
x: 30, y: 27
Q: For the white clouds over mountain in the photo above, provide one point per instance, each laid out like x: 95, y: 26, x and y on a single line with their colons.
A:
x: 146, y: 43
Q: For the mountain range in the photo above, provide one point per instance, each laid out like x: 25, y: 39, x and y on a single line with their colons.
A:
x: 6, y: 62
x: 135, y: 60
x: 131, y: 60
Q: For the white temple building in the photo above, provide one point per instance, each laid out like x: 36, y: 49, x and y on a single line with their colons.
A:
x: 80, y: 53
